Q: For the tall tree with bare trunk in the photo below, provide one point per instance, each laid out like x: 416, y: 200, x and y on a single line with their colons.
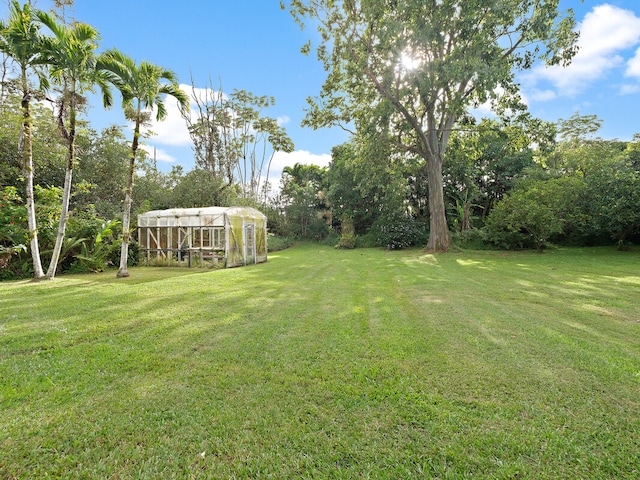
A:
x: 144, y: 87
x: 417, y: 65
x: 20, y: 41
x: 70, y: 54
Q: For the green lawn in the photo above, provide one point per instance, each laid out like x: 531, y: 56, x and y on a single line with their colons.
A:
x: 328, y: 363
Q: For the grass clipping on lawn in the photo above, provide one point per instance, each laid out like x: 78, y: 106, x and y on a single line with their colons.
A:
x: 328, y: 363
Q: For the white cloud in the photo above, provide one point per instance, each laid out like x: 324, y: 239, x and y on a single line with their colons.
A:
x: 605, y: 33
x: 283, y: 159
x: 628, y: 89
x: 173, y: 129
x: 542, y: 95
x: 633, y: 65
x: 157, y: 153
x: 483, y: 110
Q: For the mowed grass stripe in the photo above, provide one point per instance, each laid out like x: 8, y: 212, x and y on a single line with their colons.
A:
x: 328, y: 363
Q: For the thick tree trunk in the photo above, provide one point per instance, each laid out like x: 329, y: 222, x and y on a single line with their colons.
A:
x: 466, y: 219
x: 123, y: 271
x: 439, y: 237
x: 27, y: 168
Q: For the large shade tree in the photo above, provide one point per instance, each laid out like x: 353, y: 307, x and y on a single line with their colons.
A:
x: 20, y: 41
x: 418, y: 65
x: 144, y: 87
x: 70, y: 54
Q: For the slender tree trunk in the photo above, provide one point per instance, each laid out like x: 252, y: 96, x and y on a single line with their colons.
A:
x: 439, y: 236
x: 27, y: 168
x: 123, y: 272
x: 266, y: 182
x: 3, y: 76
x: 64, y: 217
x: 66, y: 195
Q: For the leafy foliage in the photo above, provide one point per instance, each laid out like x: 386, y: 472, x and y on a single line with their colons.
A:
x: 14, y: 229
x: 535, y: 212
x: 11, y: 214
x: 483, y: 162
x: 349, y: 191
x: 197, y: 188
x: 302, y: 198
x: 94, y: 241
x: 276, y: 243
x: 396, y: 231
x: 614, y: 196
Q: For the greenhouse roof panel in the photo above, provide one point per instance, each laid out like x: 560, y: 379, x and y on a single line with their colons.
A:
x: 197, y: 217
x: 205, y: 216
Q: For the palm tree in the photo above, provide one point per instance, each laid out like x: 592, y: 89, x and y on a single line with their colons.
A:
x: 20, y: 40
x: 143, y: 87
x: 71, y: 59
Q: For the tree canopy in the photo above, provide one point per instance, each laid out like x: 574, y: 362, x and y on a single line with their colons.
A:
x: 416, y: 66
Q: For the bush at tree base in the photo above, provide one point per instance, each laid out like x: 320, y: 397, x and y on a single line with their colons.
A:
x: 91, y: 243
x: 348, y: 236
x: 397, y: 231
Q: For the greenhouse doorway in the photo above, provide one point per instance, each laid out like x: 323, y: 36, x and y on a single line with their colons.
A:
x: 250, y: 243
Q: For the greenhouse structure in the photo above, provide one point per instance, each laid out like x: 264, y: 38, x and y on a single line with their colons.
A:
x: 233, y: 236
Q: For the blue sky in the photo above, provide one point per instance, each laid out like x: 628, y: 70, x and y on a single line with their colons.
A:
x: 255, y: 46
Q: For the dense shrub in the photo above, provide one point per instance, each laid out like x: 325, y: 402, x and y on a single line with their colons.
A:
x: 368, y: 240
x: 535, y: 212
x: 276, y: 243
x: 332, y: 239
x: 90, y: 244
x: 474, y: 239
x: 397, y: 231
x: 12, y: 219
x: 614, y: 201
x: 14, y: 231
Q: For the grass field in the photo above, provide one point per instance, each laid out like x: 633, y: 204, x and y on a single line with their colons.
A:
x: 328, y: 363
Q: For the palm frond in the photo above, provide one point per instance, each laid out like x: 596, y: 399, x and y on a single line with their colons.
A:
x: 143, y: 83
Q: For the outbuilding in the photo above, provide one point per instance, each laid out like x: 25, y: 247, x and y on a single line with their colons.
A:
x: 236, y: 236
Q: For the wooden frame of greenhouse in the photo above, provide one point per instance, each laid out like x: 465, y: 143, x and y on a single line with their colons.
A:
x: 234, y: 236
